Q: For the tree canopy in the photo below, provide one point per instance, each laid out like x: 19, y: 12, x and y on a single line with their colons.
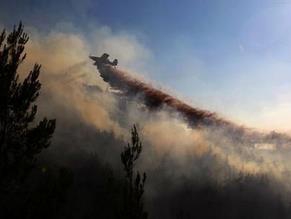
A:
x: 21, y: 138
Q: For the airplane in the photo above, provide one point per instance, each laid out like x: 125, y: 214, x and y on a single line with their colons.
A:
x: 103, y: 60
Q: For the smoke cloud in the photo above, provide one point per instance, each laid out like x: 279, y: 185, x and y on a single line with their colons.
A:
x: 181, y: 143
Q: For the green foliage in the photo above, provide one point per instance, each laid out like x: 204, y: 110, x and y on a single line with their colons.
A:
x: 134, y: 189
x: 20, y: 139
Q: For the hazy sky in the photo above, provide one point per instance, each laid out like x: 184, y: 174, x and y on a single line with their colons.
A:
x: 229, y: 56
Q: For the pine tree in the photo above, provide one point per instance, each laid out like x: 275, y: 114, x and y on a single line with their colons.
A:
x: 21, y: 138
x: 134, y: 188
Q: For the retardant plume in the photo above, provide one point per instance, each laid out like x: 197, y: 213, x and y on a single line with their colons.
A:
x: 154, y: 98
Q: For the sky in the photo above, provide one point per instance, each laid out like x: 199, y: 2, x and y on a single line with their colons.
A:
x: 228, y: 56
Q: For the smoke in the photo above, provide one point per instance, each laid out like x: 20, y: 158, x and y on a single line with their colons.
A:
x: 73, y: 93
x: 180, y: 143
x: 186, y: 136
x: 65, y: 76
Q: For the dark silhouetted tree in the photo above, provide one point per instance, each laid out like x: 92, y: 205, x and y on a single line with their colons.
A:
x: 134, y: 188
x: 20, y: 138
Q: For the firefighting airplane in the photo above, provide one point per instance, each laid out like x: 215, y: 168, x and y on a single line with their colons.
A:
x: 103, y: 60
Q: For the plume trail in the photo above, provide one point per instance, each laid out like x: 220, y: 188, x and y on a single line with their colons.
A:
x: 196, y: 118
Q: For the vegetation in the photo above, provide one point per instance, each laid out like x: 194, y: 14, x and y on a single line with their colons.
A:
x: 134, y: 188
x: 20, y: 141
